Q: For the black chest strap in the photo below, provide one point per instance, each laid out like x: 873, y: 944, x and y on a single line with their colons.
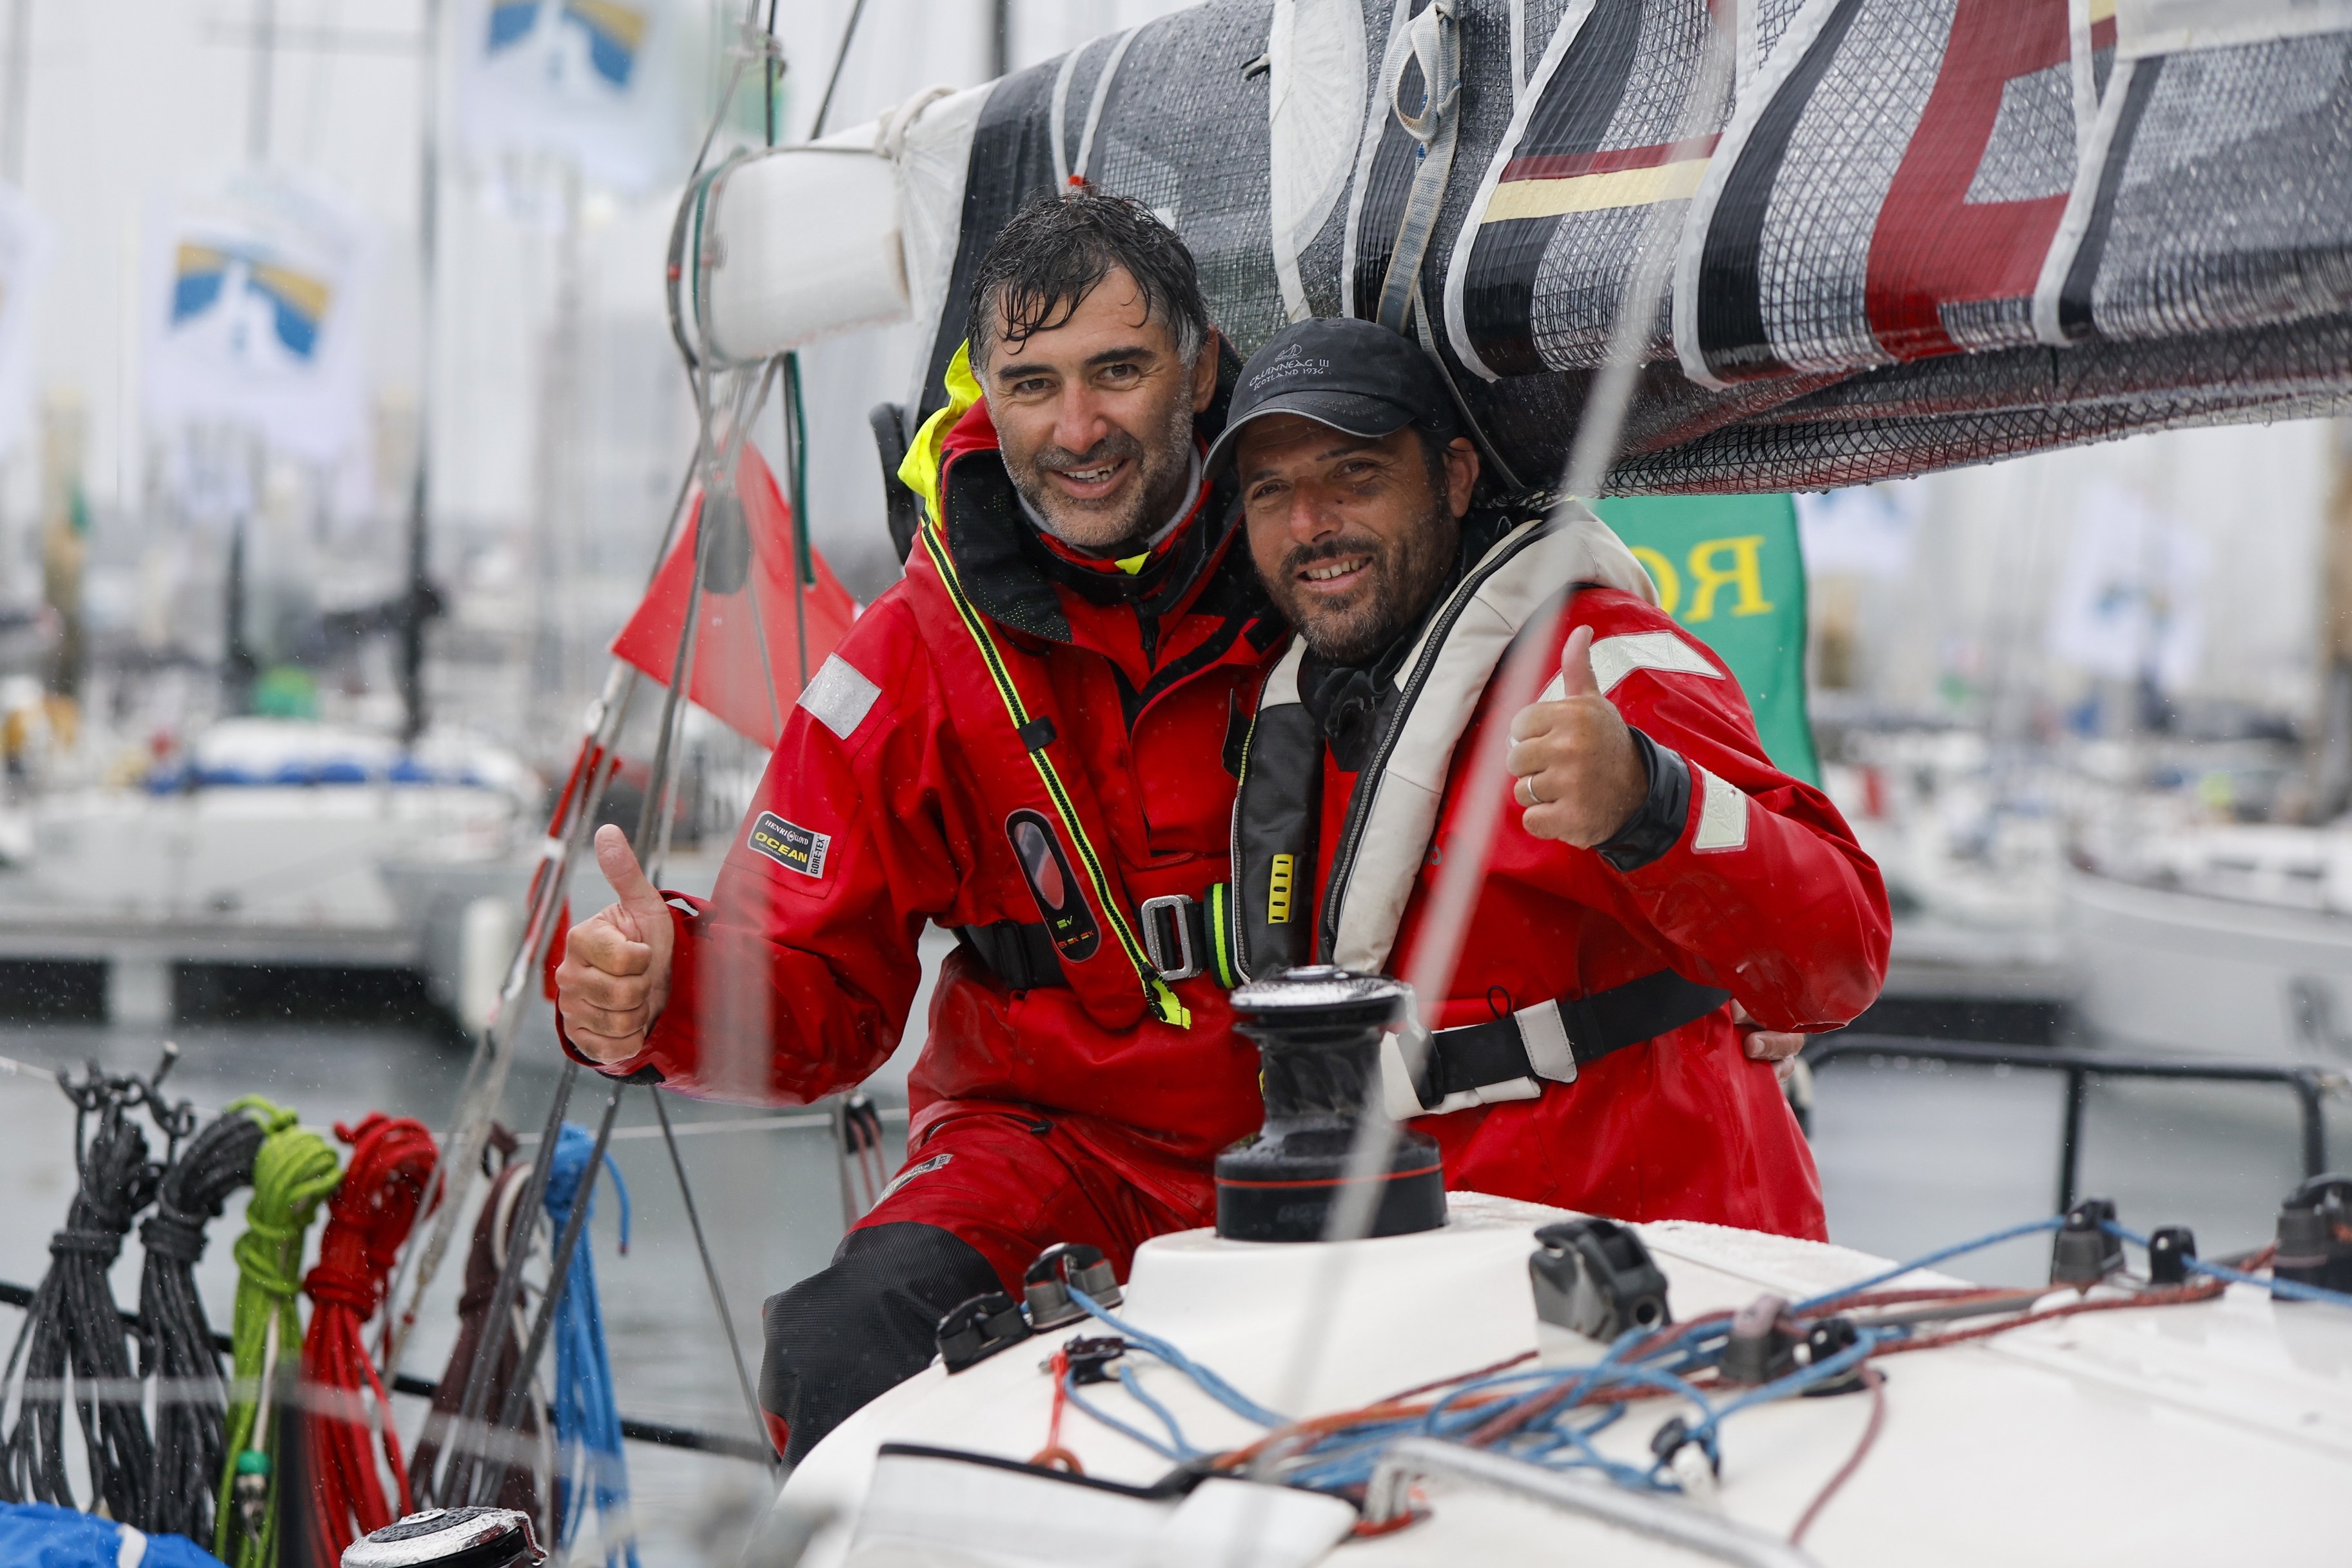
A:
x: 1512, y: 1057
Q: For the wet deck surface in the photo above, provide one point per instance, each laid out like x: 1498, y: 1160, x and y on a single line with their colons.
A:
x: 1911, y: 1157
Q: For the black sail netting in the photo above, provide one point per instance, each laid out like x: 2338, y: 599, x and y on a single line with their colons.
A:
x: 1917, y: 233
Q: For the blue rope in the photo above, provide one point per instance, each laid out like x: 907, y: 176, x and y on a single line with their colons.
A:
x: 1929, y: 1259
x: 1215, y: 1387
x: 587, y: 1422
x: 2293, y: 1289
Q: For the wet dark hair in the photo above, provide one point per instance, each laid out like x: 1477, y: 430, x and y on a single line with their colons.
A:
x: 1057, y: 250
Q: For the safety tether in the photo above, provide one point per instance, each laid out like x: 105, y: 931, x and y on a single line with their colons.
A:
x: 1435, y: 37
x: 1157, y: 995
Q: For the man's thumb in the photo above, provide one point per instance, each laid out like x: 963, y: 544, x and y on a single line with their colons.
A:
x: 619, y: 864
x: 1576, y: 664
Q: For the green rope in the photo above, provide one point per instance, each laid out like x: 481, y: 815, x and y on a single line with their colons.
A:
x: 291, y: 1177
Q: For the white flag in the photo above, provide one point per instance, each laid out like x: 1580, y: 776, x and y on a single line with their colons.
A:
x: 597, y: 81
x: 2132, y: 598
x: 256, y: 297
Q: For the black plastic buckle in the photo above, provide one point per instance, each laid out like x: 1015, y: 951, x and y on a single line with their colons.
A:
x: 1593, y: 1277
x: 978, y: 1329
x: 1047, y: 1284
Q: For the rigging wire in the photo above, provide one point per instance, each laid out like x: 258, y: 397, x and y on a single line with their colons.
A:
x: 840, y: 56
x: 368, y: 1218
x: 176, y: 1349
x: 293, y: 1171
x: 711, y: 1278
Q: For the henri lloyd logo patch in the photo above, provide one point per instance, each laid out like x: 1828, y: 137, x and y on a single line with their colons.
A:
x: 790, y: 845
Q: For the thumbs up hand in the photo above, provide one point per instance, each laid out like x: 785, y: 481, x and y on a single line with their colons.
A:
x: 615, y: 977
x: 1579, y: 776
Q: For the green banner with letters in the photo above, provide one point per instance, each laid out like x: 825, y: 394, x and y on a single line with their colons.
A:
x: 1731, y: 571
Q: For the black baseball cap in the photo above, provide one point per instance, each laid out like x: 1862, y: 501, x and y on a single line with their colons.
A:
x: 1354, y: 375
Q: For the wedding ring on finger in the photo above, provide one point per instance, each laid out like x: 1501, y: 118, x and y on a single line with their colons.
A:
x: 1525, y: 791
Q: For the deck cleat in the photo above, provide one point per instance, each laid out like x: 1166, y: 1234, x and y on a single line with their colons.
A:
x: 2169, y: 1248
x: 2086, y: 1251
x: 975, y: 1329
x: 2314, y: 1234
x: 1827, y: 1338
x: 1059, y: 1269
x: 1762, y: 1347
x: 1595, y: 1277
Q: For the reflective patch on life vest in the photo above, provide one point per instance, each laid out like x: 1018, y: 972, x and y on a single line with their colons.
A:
x: 838, y: 696
x: 1723, y: 817
x: 919, y: 1168
x: 789, y: 844
x: 1054, y: 885
x: 1615, y: 659
x: 1278, y: 893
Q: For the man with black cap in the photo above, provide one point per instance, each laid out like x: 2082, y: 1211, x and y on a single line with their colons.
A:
x: 1661, y: 889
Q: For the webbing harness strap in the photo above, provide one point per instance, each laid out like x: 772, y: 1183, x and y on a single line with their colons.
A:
x: 1513, y: 1057
x: 1436, y: 39
x: 1157, y: 995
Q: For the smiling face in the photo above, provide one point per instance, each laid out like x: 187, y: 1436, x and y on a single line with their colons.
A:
x: 1094, y: 416
x: 1354, y: 535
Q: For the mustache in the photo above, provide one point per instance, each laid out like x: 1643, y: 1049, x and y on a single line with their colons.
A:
x: 1304, y: 555
x: 1118, y: 444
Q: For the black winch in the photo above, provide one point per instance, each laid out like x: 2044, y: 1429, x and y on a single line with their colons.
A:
x: 1319, y: 1035
x: 450, y: 1538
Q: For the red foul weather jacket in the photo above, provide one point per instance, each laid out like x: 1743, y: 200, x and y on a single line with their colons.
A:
x: 1585, y: 1053
x: 1027, y: 748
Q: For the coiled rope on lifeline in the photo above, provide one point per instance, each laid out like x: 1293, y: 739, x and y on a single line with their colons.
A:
x: 292, y: 1174
x: 73, y: 1326
x: 589, y: 1462
x: 178, y: 1352
x: 368, y: 1218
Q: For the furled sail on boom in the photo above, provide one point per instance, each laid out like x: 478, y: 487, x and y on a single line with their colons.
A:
x: 1911, y: 234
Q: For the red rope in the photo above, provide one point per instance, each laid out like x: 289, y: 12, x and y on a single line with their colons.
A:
x: 367, y: 1220
x: 1053, y: 1455
x: 1876, y: 1381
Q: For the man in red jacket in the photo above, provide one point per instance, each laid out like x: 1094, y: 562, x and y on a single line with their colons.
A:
x: 1657, y: 875
x: 1032, y: 740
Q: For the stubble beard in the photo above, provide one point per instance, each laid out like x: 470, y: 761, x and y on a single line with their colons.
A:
x: 1162, y: 469
x: 1401, y: 578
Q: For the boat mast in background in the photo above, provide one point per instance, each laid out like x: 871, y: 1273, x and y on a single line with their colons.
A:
x: 419, y: 604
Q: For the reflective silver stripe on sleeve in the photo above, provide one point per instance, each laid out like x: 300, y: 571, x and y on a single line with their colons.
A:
x: 1723, y: 818
x: 1615, y: 659
x: 838, y: 697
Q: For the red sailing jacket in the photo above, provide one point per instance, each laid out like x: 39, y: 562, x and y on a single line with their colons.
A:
x: 902, y: 793
x: 1764, y: 894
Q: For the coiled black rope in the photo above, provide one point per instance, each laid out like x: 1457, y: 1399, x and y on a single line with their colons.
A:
x: 73, y: 1324
x: 177, y: 1350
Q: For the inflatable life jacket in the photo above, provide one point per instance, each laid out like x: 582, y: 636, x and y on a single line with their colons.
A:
x: 1392, y: 815
x: 1113, y: 953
